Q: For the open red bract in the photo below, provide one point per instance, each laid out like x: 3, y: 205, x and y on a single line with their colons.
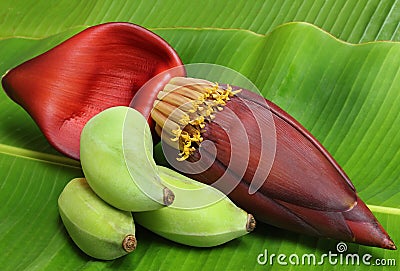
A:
x: 100, y: 67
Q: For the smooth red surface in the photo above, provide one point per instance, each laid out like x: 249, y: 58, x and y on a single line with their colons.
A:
x: 100, y: 67
x: 306, y: 190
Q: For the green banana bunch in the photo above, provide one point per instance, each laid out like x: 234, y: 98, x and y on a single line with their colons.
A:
x: 97, y: 228
x: 116, y: 152
x: 200, y: 216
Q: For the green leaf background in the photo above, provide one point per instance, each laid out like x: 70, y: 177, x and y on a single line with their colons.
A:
x: 338, y: 82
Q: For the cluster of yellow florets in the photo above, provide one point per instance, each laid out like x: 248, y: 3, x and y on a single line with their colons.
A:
x: 213, y: 98
x: 184, y: 107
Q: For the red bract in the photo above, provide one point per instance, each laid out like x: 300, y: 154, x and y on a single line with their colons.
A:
x: 101, y: 67
x: 263, y: 159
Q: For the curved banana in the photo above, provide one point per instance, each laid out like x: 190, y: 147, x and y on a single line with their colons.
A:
x: 98, y: 229
x: 117, y: 159
x: 200, y: 216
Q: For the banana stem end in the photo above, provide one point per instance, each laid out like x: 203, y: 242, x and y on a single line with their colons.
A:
x: 129, y: 243
x: 251, y: 223
x: 169, y: 196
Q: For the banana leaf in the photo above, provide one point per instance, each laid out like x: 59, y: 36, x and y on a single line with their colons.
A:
x: 345, y: 93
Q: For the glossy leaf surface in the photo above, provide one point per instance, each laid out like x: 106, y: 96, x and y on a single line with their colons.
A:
x: 346, y: 95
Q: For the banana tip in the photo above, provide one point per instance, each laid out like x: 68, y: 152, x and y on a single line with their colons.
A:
x: 251, y: 223
x: 169, y: 196
x: 129, y: 243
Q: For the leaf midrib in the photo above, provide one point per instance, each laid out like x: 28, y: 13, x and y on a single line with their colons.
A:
x: 67, y: 162
x: 39, y: 156
x: 384, y: 209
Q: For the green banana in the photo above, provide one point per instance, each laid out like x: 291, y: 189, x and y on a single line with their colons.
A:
x: 98, y: 229
x: 200, y: 216
x: 116, y: 152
